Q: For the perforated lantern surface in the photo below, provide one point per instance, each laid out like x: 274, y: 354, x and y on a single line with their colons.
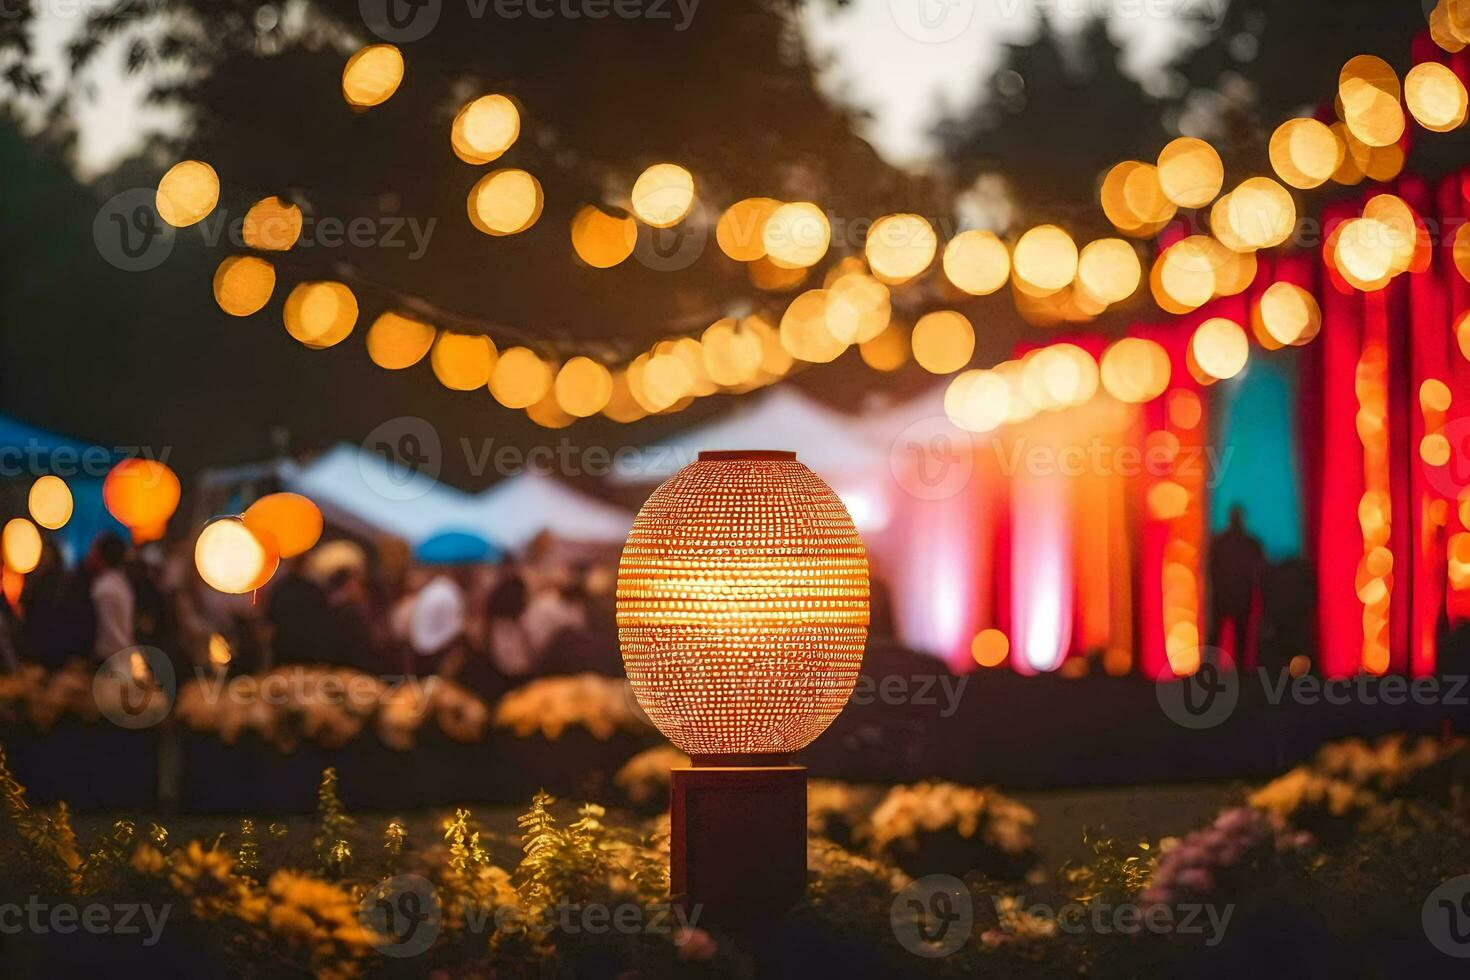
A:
x: 743, y: 605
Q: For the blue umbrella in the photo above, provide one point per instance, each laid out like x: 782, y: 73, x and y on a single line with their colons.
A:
x: 456, y: 548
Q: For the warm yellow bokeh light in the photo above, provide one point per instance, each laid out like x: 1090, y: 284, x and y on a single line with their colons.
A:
x: 740, y: 230
x: 977, y: 262
x: 1135, y: 370
x: 1046, y: 258
x: 320, y: 314
x: 272, y: 225
x: 1129, y: 182
x: 463, y: 361
x: 1109, y: 269
x: 990, y: 648
x: 978, y: 401
x: 858, y: 308
x: 187, y: 193
x: 804, y: 330
x: 520, y: 378
x: 50, y: 502
x: 1186, y: 274
x: 663, y: 194
x: 731, y: 352
x: 900, y: 246
x: 243, y: 284
x: 888, y: 351
x: 233, y: 559
x: 603, y: 238
x: 583, y: 387
x: 505, y: 202
x: 1434, y: 449
x: 1190, y: 172
x: 1305, y: 153
x: 1287, y: 314
x: 1261, y: 213
x: 288, y: 521
x: 1167, y: 500
x: 661, y: 382
x: 1368, y: 92
x: 372, y: 75
x: 484, y: 129
x: 20, y: 545
x: 1435, y: 396
x: 796, y: 235
x: 621, y: 405
x: 142, y: 494
x: 1219, y: 348
x: 395, y: 342
x: 943, y: 342
x: 1436, y: 97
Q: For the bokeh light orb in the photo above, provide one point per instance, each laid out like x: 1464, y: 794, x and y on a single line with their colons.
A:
x: 796, y: 235
x: 233, y: 559
x: 521, y: 378
x: 1220, y: 348
x: 1261, y: 213
x: 804, y: 330
x: 1436, y: 97
x: 1190, y: 173
x: 50, y: 502
x: 395, y: 341
x: 1305, y: 153
x: 320, y: 314
x: 732, y: 353
x: 505, y: 202
x: 142, y: 494
x: 583, y: 387
x: 1288, y: 314
x: 977, y: 262
x: 978, y: 401
x: 899, y: 247
x: 663, y: 195
x: 484, y: 129
x: 1135, y: 370
x: 943, y: 341
x: 243, y: 284
x: 372, y: 75
x: 272, y: 225
x: 742, y: 605
x: 603, y: 237
x: 858, y: 308
x: 187, y: 193
x: 20, y: 545
x: 1046, y: 258
x: 463, y: 361
x: 740, y: 230
x: 291, y: 521
x: 1109, y: 269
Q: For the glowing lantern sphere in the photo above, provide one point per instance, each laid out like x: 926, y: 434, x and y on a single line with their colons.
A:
x: 521, y: 378
x: 142, y: 494
x: 796, y: 235
x: 290, y: 520
x: 233, y: 559
x: 20, y: 546
x: 395, y: 342
x: 990, y: 648
x: 900, y: 246
x: 1190, y: 172
x: 320, y: 314
x: 663, y: 194
x: 372, y: 75
x: 943, y: 341
x: 243, y: 284
x: 187, y: 193
x: 977, y: 262
x: 743, y: 605
x: 484, y: 129
x: 505, y: 202
x: 1219, y: 348
x: 1046, y: 258
x: 272, y: 225
x: 603, y: 238
x: 50, y: 502
x: 583, y: 387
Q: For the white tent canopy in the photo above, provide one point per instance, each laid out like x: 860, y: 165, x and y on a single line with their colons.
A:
x: 827, y: 441
x: 520, y: 507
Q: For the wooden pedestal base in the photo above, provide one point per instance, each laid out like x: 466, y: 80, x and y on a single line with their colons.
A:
x: 738, y: 841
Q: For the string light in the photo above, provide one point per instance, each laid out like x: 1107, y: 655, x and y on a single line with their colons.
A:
x: 188, y: 193
x: 372, y: 75
x: 484, y: 129
x: 50, y: 502
x: 663, y: 194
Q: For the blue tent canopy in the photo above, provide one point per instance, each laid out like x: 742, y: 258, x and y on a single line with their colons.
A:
x: 456, y: 548
x: 27, y: 452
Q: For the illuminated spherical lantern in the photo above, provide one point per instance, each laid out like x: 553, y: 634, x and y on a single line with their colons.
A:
x: 142, y: 494
x: 505, y: 202
x: 20, y: 546
x: 292, y: 521
x: 243, y: 284
x: 372, y: 75
x: 50, y: 502
x: 272, y: 225
x: 740, y: 229
x: 977, y: 262
x: 603, y: 237
x: 395, y: 342
x: 521, y: 378
x: 484, y: 129
x: 320, y: 314
x: 663, y: 194
x: 233, y: 559
x: 187, y: 193
x: 900, y: 246
x: 943, y: 341
x: 583, y: 387
x: 1436, y: 97
x: 1135, y: 370
x: 1046, y: 259
x: 1219, y: 348
x: 796, y: 235
x: 463, y: 361
x: 743, y: 605
x: 1190, y: 173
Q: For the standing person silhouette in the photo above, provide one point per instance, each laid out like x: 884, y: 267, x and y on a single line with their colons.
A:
x: 1236, y: 563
